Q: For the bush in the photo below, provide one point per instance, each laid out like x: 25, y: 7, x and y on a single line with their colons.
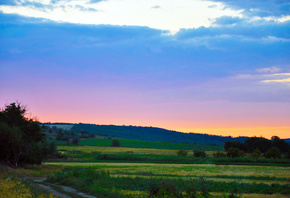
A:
x: 256, y: 153
x: 272, y: 153
x: 235, y: 152
x: 199, y: 154
x: 182, y: 153
x: 167, y: 188
x: 219, y: 154
x: 116, y: 143
x: 288, y: 154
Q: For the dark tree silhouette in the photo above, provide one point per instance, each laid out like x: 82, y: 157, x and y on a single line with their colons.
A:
x: 21, y: 139
x: 116, y: 143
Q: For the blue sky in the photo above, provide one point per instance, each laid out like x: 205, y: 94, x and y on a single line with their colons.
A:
x: 187, y: 65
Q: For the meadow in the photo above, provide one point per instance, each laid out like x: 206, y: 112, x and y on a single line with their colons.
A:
x: 155, y: 155
x: 115, y: 172
x: 105, y: 171
x: 137, y: 179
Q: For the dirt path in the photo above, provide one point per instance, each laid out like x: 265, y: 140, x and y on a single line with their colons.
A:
x: 41, y: 183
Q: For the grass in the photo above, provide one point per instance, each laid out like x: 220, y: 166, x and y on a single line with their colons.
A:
x: 146, y: 155
x: 185, y: 170
x: 149, y: 144
x: 103, y: 184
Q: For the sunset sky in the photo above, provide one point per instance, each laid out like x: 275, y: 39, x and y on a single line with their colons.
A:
x: 219, y: 67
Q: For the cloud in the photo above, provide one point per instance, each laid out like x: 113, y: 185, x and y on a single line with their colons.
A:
x: 262, y: 8
x: 257, y: 29
x: 228, y: 20
x: 173, y: 15
x: 269, y: 70
x: 286, y: 80
x: 96, y: 1
x: 282, y: 78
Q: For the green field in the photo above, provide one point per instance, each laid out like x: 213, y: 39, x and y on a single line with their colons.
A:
x: 138, y: 168
x: 164, y: 156
x: 134, y: 179
x: 150, y: 144
x: 151, y: 169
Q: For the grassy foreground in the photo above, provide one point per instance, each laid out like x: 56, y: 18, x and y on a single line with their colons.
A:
x: 11, y: 186
x: 161, y: 180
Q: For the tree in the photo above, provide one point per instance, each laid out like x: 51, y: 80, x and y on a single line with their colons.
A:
x: 235, y: 152
x: 182, y: 153
x: 256, y: 153
x: 234, y: 144
x: 199, y: 154
x: 21, y: 139
x: 273, y: 152
x: 280, y: 144
x: 260, y: 143
x: 116, y: 143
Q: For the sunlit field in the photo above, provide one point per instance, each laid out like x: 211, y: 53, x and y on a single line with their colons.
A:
x: 185, y: 170
x: 248, y: 177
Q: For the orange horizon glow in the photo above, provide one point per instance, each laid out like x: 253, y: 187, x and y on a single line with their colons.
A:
x: 220, y: 129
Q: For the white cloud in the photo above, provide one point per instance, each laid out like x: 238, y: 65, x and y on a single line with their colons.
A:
x: 172, y: 16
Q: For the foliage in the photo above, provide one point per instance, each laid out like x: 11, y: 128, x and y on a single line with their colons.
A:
x: 219, y: 154
x: 182, y: 153
x: 21, y: 139
x: 116, y: 143
x: 272, y: 153
x: 55, y: 133
x: 234, y: 144
x: 11, y: 187
x: 235, y: 152
x: 288, y: 154
x: 260, y: 143
x: 280, y: 144
x: 199, y: 154
x: 103, y: 184
x: 166, y: 188
x: 256, y: 153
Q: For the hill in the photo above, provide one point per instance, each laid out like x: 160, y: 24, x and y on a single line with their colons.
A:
x: 148, y: 134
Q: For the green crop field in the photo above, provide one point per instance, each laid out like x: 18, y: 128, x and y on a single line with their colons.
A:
x: 134, y: 179
x: 150, y: 144
x: 138, y: 171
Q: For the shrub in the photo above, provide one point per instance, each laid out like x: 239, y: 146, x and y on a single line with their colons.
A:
x: 219, y: 154
x: 203, y: 187
x: 272, y: 153
x: 116, y: 143
x: 182, y: 153
x: 288, y: 154
x: 167, y: 188
x: 199, y: 154
x: 235, y: 152
x: 256, y: 153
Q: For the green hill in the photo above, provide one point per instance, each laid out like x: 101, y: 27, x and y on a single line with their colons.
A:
x: 149, y: 134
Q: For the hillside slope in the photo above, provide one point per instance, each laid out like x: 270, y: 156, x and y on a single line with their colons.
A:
x: 150, y: 134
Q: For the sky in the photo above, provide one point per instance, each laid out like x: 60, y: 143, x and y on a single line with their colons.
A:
x: 218, y: 67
